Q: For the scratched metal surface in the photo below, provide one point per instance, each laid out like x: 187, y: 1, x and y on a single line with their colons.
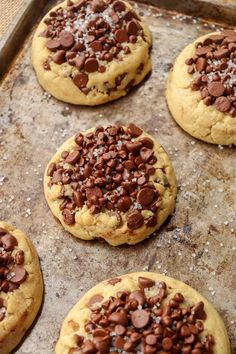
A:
x: 196, y: 245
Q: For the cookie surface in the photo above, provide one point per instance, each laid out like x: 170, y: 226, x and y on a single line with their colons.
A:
x: 113, y: 317
x: 113, y: 183
x: 91, y: 52
x: 21, y: 286
x: 201, y: 88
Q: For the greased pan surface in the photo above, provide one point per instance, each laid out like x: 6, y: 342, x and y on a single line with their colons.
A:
x: 196, y: 245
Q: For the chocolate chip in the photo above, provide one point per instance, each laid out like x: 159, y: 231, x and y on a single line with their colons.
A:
x: 145, y: 196
x: 216, y: 88
x: 151, y: 339
x: 132, y: 27
x: 140, y: 318
x: 133, y: 39
x: 202, y: 51
x: 119, y: 6
x: 79, y: 62
x: 228, y: 32
x: 133, y: 146
x: 133, y: 130
x: 96, y: 46
x: 8, y: 242
x: 207, y: 101
x: 129, y: 15
x: 98, y: 5
x: 68, y: 217
x: 144, y: 282
x: 167, y: 343
x: 124, y: 203
x: 221, y: 53
x: 89, y: 347
x: 78, y: 198
x: 119, y: 318
x: 2, y: 231
x: 53, y: 44
x: 90, y: 38
x: 121, y: 36
x: 152, y: 221
x: 216, y: 38
x: 57, y: 176
x: 17, y: 275
x: 66, y: 39
x: 92, y: 193
x: 119, y: 342
x: 19, y: 257
x: 146, y: 154
x: 73, y: 157
x: 198, y: 310
x: 222, y: 104
x: 59, y: 57
x: 91, y: 65
x: 201, y: 64
x: 146, y: 142
x: 79, y: 340
x: 78, y: 47
x: 80, y: 80
x: 135, y: 220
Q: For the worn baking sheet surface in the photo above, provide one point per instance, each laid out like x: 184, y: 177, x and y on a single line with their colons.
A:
x: 196, y: 245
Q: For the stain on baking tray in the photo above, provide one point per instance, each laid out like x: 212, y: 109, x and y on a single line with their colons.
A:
x: 196, y: 245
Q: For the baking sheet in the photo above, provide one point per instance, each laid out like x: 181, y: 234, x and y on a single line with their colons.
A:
x: 196, y: 245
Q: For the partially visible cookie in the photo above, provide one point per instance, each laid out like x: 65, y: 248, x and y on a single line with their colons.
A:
x: 21, y: 286
x: 89, y: 52
x: 115, y: 183
x: 143, y: 313
x: 201, y: 88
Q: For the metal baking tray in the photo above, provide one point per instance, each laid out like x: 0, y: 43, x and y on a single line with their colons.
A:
x: 195, y: 245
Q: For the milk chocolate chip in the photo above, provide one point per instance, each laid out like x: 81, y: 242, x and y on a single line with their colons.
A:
x: 135, y: 220
x: 17, y: 275
x: 8, y: 242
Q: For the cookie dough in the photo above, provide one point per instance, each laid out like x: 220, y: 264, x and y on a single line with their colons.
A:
x: 89, y: 52
x: 115, y: 183
x: 201, y: 88
x: 143, y: 313
x: 21, y: 286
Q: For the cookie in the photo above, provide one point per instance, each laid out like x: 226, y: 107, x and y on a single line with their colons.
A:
x: 21, y: 286
x: 89, y: 52
x: 201, y: 88
x: 143, y: 313
x: 115, y: 183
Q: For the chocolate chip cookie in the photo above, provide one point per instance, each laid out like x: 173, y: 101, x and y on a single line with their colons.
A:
x: 143, y: 313
x: 21, y: 286
x: 89, y: 52
x: 115, y: 183
x: 201, y: 88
